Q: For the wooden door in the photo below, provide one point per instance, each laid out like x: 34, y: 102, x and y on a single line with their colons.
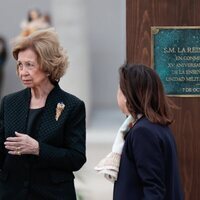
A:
x: 140, y: 16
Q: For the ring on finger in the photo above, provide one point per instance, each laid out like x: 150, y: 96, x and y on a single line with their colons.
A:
x: 18, y: 152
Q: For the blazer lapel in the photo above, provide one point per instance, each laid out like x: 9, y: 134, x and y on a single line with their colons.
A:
x: 48, y: 123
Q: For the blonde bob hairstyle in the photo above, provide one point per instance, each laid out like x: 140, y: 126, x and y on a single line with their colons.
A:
x: 50, y: 55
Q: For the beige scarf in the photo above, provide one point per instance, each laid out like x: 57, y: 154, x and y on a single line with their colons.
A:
x: 109, y: 166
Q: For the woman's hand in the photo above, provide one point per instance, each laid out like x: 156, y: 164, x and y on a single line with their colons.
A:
x: 22, y: 144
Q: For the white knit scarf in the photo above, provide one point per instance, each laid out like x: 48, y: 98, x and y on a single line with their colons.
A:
x: 109, y: 166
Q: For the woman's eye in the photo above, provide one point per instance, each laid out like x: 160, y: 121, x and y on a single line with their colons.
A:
x: 29, y: 65
x: 19, y: 65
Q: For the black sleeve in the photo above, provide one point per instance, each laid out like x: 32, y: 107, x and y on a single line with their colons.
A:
x: 2, y: 136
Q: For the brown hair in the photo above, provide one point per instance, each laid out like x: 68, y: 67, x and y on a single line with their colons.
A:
x: 144, y: 93
x: 51, y: 56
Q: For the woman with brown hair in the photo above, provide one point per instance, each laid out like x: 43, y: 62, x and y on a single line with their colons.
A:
x: 148, y: 166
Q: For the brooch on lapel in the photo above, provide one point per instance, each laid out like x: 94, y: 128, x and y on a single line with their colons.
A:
x: 59, y: 108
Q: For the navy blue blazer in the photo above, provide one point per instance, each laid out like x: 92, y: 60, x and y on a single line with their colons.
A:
x: 149, y: 167
x: 62, y: 148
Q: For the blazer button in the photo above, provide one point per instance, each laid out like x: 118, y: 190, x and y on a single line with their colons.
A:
x: 26, y: 183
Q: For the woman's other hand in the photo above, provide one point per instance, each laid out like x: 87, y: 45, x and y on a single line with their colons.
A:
x: 21, y: 144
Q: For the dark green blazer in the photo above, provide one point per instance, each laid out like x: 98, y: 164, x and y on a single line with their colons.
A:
x: 62, y: 148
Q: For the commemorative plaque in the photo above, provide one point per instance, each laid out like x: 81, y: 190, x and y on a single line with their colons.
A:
x: 176, y: 58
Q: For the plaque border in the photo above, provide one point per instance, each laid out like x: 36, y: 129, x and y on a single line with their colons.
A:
x: 155, y: 30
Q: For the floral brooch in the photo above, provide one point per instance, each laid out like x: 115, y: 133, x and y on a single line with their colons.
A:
x: 59, y: 108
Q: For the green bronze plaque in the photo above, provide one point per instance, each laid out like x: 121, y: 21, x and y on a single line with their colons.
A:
x: 176, y: 58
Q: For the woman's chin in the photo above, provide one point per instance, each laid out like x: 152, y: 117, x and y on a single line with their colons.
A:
x: 28, y: 84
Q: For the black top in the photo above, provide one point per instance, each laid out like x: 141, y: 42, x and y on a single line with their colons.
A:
x: 33, y: 121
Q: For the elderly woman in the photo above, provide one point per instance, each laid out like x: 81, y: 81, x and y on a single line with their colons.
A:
x: 42, y: 128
